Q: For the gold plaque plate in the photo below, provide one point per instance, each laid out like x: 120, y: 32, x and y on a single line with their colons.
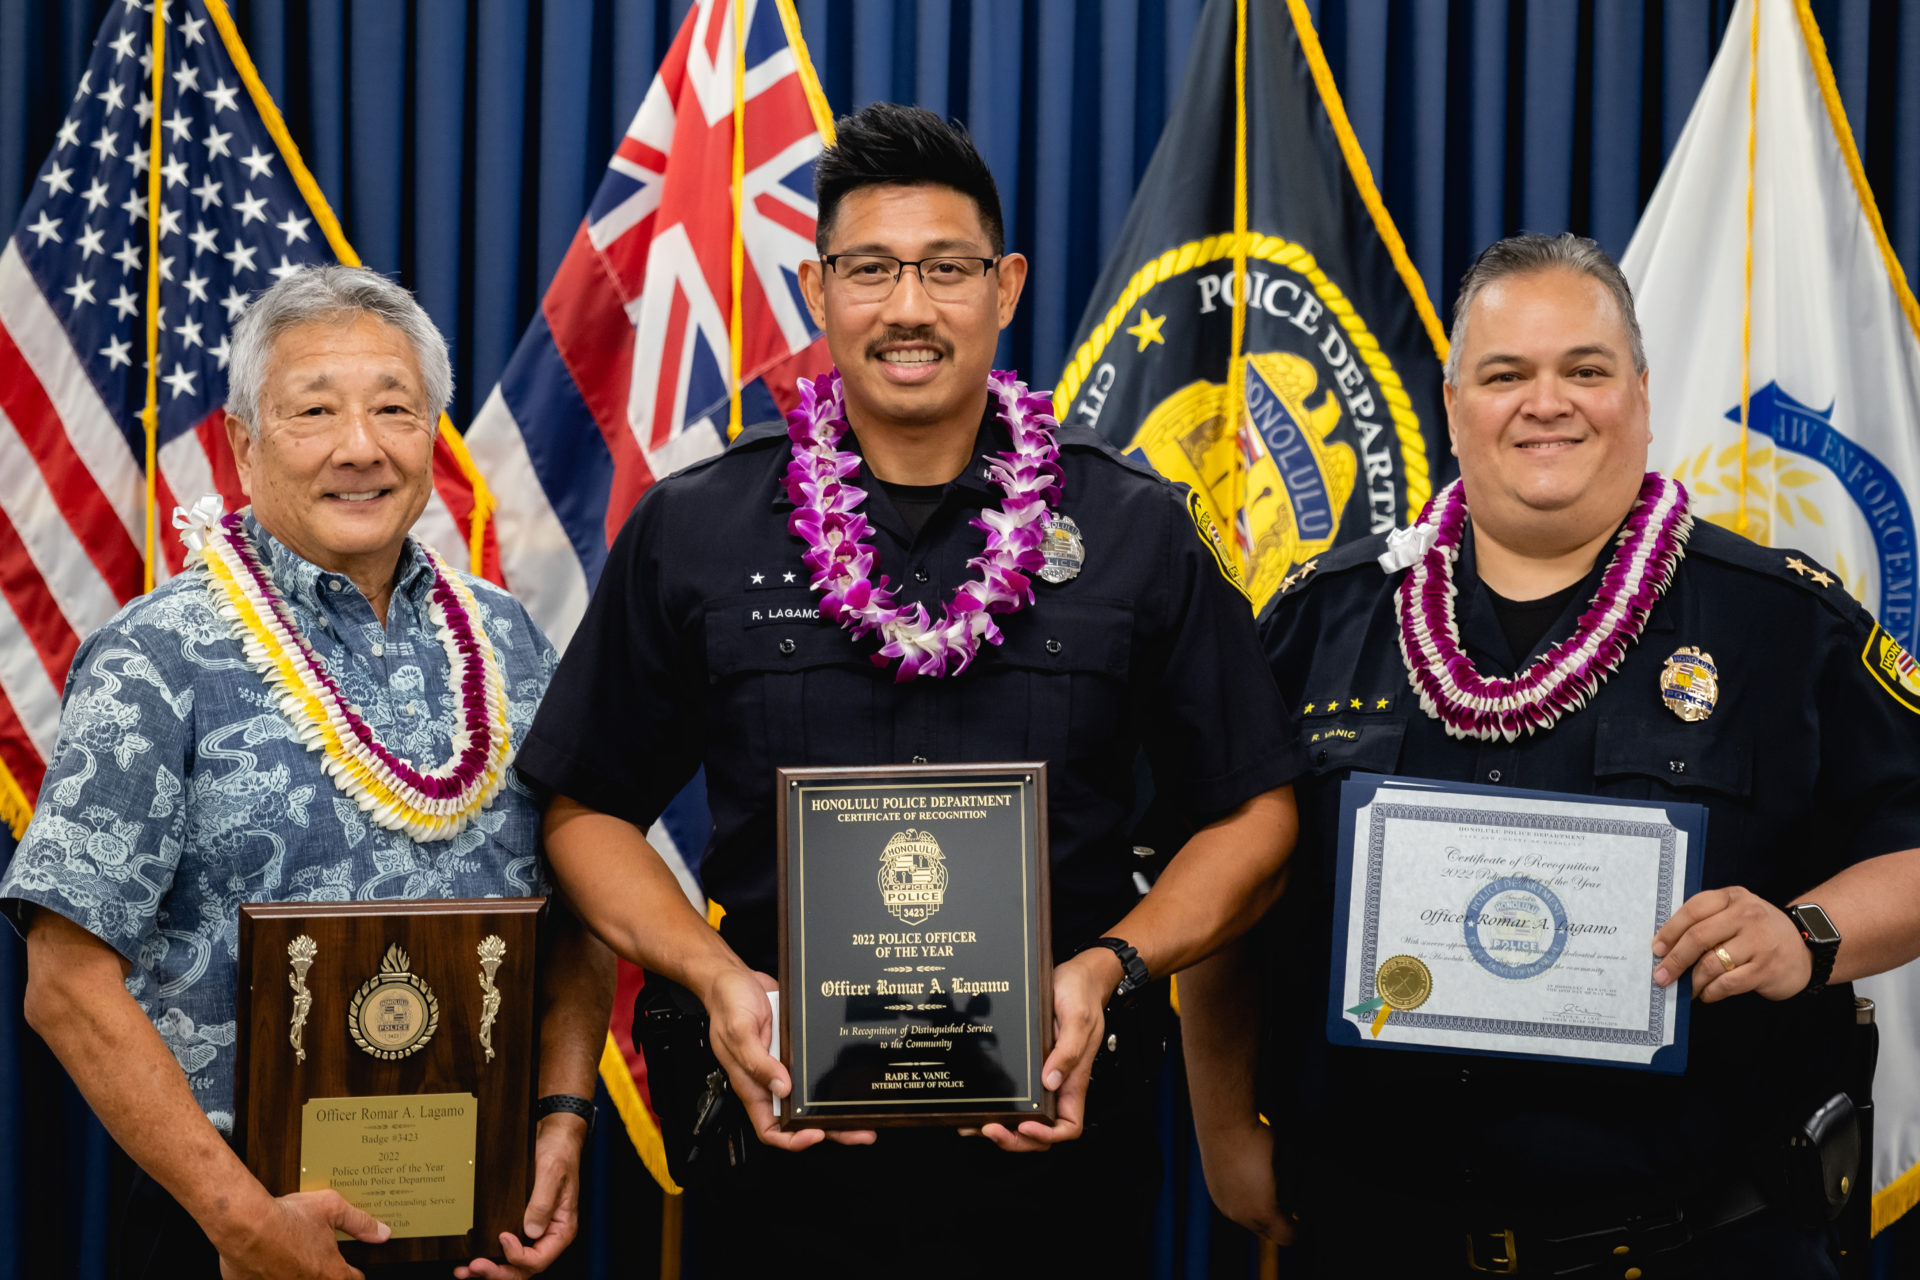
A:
x: 407, y: 1159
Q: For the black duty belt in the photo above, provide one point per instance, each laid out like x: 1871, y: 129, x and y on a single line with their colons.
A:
x: 1614, y: 1250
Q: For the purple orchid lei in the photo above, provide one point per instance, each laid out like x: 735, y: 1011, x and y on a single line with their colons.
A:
x: 1470, y: 705
x: 827, y: 519
x: 425, y: 804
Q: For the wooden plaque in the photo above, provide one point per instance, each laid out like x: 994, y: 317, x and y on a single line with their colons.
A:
x: 363, y: 1063
x: 916, y: 964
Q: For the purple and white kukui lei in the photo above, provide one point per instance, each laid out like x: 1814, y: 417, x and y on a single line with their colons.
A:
x: 1470, y: 705
x: 827, y: 519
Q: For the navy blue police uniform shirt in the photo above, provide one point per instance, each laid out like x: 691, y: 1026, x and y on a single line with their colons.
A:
x: 1808, y: 762
x: 703, y: 644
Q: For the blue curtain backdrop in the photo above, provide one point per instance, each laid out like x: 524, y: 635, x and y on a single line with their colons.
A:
x: 459, y: 141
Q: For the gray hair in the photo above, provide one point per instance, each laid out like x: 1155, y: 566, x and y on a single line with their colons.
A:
x: 333, y: 294
x: 1524, y: 255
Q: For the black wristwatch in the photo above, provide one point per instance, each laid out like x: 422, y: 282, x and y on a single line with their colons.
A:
x: 1133, y: 969
x: 582, y: 1107
x: 1823, y: 943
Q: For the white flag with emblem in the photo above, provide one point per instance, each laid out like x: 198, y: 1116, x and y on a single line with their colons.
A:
x: 1826, y: 458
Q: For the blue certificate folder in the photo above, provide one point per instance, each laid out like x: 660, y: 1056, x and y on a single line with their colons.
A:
x: 1359, y: 790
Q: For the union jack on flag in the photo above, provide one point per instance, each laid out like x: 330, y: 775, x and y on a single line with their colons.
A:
x: 238, y: 210
x: 625, y: 373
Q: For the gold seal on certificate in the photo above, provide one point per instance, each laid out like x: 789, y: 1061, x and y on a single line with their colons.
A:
x: 915, y: 964
x: 1404, y: 982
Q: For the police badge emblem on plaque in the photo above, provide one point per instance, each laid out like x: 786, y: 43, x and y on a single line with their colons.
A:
x: 394, y: 1013
x: 913, y: 876
x: 1689, y: 684
x: 1060, y: 543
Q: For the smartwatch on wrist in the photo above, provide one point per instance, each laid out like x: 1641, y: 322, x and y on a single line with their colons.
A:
x: 1823, y: 943
x: 567, y: 1102
x: 1133, y: 969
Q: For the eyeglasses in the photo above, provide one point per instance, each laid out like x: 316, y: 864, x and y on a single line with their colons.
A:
x: 872, y: 276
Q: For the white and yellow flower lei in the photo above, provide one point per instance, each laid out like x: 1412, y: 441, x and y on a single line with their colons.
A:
x: 425, y: 804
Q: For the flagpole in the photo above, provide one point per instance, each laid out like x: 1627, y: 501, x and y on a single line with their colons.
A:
x: 150, y: 411
x: 1746, y: 307
x: 1236, y: 366
x: 809, y: 82
x: 738, y: 263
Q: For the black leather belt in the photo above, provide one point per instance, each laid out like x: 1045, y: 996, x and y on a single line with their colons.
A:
x: 1614, y: 1250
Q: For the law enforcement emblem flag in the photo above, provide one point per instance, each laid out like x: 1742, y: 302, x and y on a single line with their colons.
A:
x: 1257, y: 231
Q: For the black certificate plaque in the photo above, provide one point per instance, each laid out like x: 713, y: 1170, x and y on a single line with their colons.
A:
x: 916, y: 967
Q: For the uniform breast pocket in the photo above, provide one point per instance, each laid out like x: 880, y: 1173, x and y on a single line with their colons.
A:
x: 1064, y: 664
x: 778, y: 668
x: 1352, y: 744
x: 1653, y: 758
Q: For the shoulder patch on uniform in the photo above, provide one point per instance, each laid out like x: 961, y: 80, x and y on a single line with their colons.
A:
x: 1893, y: 667
x: 1210, y: 535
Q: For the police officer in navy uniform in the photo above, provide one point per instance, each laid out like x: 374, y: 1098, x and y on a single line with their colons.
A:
x: 1795, y: 725
x: 706, y: 644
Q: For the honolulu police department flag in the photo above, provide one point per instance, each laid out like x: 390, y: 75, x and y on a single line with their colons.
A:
x: 1338, y: 430
x: 1829, y: 456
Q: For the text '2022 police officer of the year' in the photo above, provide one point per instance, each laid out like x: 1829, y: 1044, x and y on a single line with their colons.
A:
x: 1801, y: 742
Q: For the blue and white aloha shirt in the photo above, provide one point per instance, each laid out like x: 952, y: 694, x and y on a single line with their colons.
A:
x: 178, y: 790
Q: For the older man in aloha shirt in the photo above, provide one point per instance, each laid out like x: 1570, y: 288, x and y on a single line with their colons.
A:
x: 179, y: 790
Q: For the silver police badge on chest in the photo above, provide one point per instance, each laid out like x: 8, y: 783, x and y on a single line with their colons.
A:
x: 1060, y: 543
x: 1690, y: 684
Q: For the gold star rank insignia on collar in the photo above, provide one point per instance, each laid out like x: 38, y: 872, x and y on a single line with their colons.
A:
x: 1299, y: 575
x: 1811, y: 572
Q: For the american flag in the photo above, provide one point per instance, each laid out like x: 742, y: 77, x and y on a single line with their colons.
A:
x: 624, y: 374
x: 238, y: 210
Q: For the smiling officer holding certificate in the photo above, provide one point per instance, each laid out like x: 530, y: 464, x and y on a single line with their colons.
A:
x: 1567, y: 747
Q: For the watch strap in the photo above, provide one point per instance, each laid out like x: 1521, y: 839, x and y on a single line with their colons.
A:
x: 1821, y: 953
x: 569, y: 1103
x: 1133, y: 969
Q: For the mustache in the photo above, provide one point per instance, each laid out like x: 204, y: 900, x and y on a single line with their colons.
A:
x: 922, y: 333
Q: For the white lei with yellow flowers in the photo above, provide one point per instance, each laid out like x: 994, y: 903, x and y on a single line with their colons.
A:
x: 426, y: 804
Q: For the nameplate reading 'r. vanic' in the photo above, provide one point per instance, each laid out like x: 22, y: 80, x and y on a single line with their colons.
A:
x: 915, y: 959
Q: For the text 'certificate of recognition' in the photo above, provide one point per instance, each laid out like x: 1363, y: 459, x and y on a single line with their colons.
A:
x: 1483, y: 920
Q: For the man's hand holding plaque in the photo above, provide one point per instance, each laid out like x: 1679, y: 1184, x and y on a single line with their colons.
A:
x: 742, y: 1030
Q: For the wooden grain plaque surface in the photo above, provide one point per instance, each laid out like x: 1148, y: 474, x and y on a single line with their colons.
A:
x: 396, y: 998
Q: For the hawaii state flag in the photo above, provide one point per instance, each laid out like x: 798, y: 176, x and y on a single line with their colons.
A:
x: 1258, y: 332
x: 1826, y: 457
x: 626, y: 372
x: 236, y: 210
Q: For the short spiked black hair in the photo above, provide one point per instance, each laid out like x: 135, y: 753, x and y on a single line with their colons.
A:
x: 887, y: 144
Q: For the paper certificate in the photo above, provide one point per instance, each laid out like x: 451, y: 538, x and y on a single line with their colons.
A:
x: 1479, y: 920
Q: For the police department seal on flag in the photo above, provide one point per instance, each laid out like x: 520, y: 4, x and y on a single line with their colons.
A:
x: 1258, y: 333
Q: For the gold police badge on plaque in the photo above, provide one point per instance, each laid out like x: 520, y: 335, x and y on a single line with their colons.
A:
x: 394, y: 1013
x: 913, y: 876
x: 1689, y: 684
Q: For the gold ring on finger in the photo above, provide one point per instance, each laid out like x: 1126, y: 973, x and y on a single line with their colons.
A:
x: 1726, y: 961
